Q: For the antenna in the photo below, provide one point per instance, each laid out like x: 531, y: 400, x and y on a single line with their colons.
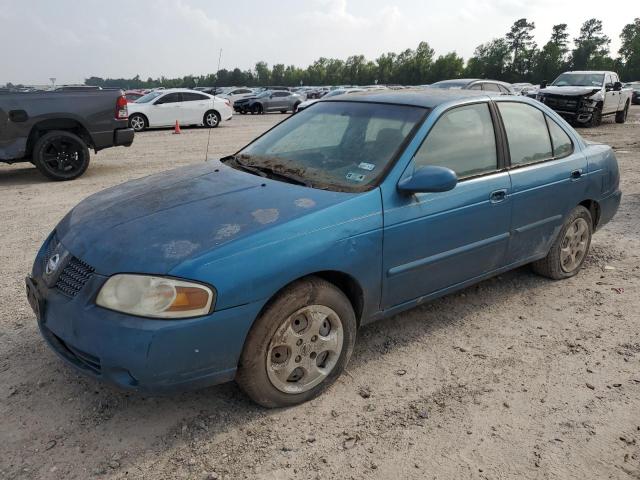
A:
x: 215, y: 87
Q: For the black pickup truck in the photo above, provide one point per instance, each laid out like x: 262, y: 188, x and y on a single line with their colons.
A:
x: 54, y: 130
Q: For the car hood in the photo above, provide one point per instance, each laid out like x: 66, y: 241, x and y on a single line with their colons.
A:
x: 155, y: 223
x: 569, y: 91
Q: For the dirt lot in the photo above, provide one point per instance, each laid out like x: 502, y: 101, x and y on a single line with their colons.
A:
x: 517, y: 377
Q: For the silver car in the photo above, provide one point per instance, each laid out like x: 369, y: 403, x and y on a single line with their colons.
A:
x: 269, y: 101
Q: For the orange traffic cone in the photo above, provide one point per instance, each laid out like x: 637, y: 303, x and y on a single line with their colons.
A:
x: 176, y: 130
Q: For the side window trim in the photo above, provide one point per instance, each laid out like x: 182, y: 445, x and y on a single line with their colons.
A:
x: 501, y: 160
x: 508, y: 165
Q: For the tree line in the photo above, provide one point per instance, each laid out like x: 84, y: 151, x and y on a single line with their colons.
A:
x: 516, y: 57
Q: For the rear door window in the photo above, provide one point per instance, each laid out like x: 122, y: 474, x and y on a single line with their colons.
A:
x: 193, y: 97
x: 170, y: 98
x: 561, y: 142
x: 527, y: 133
x: 463, y: 139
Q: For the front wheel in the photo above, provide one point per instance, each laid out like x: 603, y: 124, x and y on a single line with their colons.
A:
x: 621, y: 117
x: 211, y: 119
x: 299, y: 346
x: 596, y: 117
x: 568, y: 252
x: 61, y: 155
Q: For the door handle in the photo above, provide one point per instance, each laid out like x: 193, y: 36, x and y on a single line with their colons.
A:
x: 576, y: 174
x: 498, y: 196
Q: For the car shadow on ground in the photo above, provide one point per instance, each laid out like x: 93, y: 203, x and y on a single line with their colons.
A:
x: 21, y: 174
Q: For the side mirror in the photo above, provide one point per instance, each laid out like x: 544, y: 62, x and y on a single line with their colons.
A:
x: 544, y: 83
x: 429, y: 179
x: 617, y: 86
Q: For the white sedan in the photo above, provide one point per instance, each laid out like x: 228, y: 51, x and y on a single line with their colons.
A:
x: 162, y: 108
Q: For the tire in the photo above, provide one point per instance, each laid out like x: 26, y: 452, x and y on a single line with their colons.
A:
x: 61, y: 155
x: 621, y: 117
x: 596, y: 118
x: 295, y: 108
x: 283, y: 111
x: 138, y: 122
x: 274, y: 373
x: 554, y: 265
x: 211, y: 119
x: 257, y: 108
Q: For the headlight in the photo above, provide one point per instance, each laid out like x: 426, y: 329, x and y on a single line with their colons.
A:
x: 157, y: 297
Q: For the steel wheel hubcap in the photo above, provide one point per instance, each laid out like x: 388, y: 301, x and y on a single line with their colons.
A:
x: 574, y: 245
x: 304, y: 349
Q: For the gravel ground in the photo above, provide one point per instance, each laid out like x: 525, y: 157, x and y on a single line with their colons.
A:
x: 517, y: 377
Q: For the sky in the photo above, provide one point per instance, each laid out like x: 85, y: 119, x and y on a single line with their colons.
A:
x: 75, y: 39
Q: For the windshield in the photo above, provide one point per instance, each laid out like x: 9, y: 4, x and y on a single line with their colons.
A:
x: 266, y: 93
x: 450, y: 84
x: 344, y: 146
x: 579, y: 80
x: 148, y: 97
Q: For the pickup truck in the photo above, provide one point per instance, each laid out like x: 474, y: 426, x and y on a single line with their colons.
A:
x: 55, y: 129
x: 585, y: 97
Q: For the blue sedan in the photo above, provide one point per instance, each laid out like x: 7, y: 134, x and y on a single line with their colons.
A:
x: 260, y: 267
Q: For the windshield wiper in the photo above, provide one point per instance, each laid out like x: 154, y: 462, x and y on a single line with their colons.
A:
x: 268, y: 172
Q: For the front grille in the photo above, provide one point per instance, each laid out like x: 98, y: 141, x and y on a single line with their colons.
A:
x: 74, y: 276
x: 562, y: 103
x: 81, y: 359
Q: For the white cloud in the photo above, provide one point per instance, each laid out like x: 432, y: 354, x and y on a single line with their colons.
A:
x: 72, y: 40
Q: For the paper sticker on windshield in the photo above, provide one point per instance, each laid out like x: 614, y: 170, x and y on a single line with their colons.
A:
x: 366, y: 166
x: 355, y: 177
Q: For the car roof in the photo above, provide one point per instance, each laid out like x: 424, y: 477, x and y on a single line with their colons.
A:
x: 418, y: 97
x: 588, y: 72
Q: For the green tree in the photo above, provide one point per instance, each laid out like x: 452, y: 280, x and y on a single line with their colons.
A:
x: 551, y: 60
x: 263, y: 73
x: 591, y: 47
x: 522, y: 48
x: 630, y: 50
x: 446, y: 66
x: 490, y: 60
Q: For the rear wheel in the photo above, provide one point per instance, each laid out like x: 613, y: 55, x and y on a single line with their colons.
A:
x: 138, y: 122
x: 61, y: 155
x: 299, y: 346
x: 211, y: 119
x: 621, y: 117
x: 568, y: 252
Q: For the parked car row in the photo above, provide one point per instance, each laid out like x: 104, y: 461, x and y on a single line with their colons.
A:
x: 581, y: 97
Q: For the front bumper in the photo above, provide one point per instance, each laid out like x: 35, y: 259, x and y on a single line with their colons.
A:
x: 139, y: 353
x: 581, y: 111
